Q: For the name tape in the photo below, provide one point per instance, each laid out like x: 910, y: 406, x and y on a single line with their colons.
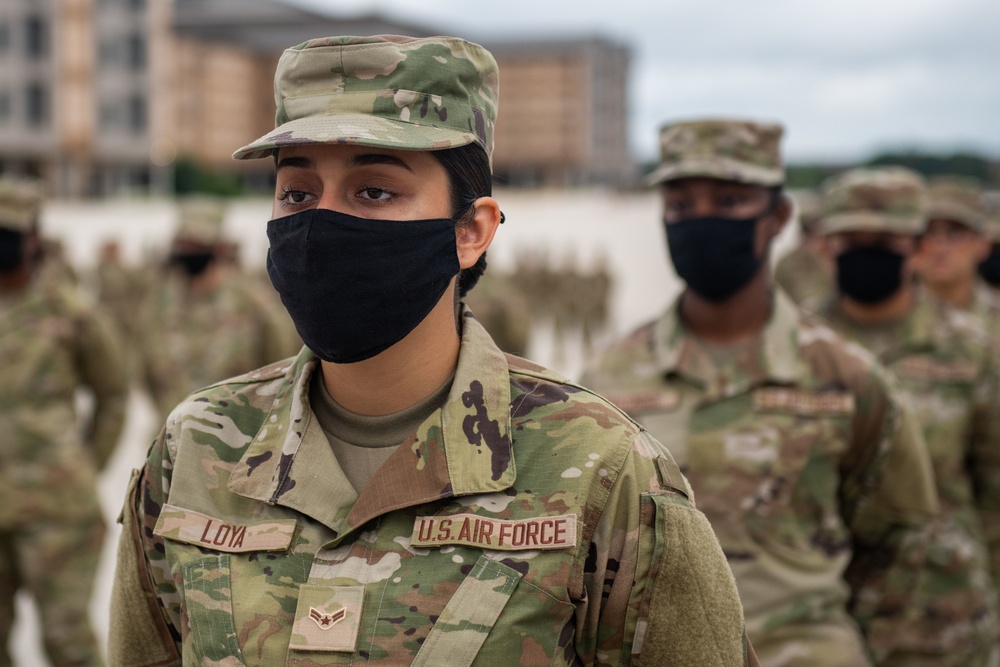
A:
x: 205, y: 531
x: 472, y: 530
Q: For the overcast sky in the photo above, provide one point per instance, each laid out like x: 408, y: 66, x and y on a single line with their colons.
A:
x: 847, y: 78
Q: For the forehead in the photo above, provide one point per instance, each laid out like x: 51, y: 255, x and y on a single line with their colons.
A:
x: 693, y: 185
x: 870, y: 237
x: 317, y: 156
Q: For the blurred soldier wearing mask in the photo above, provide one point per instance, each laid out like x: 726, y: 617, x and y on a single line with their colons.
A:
x: 809, y: 468
x: 204, y: 323
x: 941, y: 357
x: 52, y: 344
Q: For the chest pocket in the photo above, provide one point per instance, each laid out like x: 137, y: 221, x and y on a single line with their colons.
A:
x: 202, y: 548
x: 765, y: 469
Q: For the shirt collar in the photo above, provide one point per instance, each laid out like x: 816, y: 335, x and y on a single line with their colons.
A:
x: 463, y: 447
x: 677, y: 352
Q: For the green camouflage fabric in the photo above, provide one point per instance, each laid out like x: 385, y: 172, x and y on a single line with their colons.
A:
x: 53, y: 344
x: 807, y: 465
x: 884, y: 199
x: 730, y: 150
x: 387, y: 90
x: 525, y: 522
x: 191, y: 339
x: 20, y: 204
x: 957, y: 199
x: 200, y: 219
x: 941, y: 358
x: 805, y: 276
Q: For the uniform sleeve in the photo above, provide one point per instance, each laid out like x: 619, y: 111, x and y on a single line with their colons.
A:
x: 984, y: 460
x: 145, y: 606
x: 102, y: 361
x: 659, y: 588
x: 889, y: 497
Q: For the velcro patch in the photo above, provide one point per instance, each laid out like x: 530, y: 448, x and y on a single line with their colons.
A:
x: 804, y: 402
x: 202, y: 530
x: 637, y: 402
x: 472, y: 530
x: 327, y: 618
x: 928, y: 368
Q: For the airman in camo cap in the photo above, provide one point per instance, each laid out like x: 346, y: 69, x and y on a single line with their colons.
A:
x: 956, y: 199
x: 201, y: 220
x: 731, y: 150
x: 20, y: 204
x: 388, y: 90
x: 886, y: 199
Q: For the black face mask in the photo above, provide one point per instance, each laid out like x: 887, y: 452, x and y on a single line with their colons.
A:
x: 714, y: 256
x: 193, y: 263
x: 869, y: 274
x: 11, y: 250
x: 989, y: 268
x: 355, y: 286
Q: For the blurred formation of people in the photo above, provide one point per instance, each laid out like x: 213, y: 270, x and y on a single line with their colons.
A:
x: 203, y: 321
x: 801, y: 453
x: 54, y: 343
x: 875, y: 220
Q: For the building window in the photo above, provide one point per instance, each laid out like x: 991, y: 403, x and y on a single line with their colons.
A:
x: 108, y: 117
x: 137, y: 53
x: 37, y: 105
x: 137, y: 5
x: 137, y: 114
x: 36, y: 42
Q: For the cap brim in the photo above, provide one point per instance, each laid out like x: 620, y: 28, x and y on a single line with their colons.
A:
x: 360, y: 129
x: 714, y: 168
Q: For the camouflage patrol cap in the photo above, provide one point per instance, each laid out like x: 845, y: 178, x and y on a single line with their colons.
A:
x: 20, y: 204
x: 957, y: 199
x: 201, y: 220
x: 731, y: 150
x: 886, y: 199
x: 387, y: 90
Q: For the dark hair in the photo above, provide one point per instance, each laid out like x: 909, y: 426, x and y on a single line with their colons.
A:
x: 469, y: 178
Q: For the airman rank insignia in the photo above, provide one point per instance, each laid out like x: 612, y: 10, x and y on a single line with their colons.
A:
x: 799, y: 401
x: 327, y: 618
x: 472, y: 530
x: 326, y: 621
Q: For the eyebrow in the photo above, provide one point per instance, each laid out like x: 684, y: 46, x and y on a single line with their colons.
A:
x: 361, y: 160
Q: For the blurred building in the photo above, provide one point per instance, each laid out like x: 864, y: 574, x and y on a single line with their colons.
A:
x: 104, y: 96
x: 563, y: 113
x: 77, y: 81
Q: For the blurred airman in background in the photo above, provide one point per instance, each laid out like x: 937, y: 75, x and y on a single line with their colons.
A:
x: 53, y: 343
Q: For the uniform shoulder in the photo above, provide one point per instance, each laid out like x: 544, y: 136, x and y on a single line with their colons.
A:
x: 531, y: 381
x: 833, y: 358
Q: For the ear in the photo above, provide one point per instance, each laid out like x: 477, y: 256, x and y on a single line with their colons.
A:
x: 473, y: 237
x: 782, y: 214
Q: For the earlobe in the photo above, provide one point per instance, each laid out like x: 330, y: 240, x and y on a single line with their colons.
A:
x: 474, y: 236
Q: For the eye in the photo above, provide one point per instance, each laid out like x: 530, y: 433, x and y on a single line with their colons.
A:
x: 293, y: 196
x: 375, y: 194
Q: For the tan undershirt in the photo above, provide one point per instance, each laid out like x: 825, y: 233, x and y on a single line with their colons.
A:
x: 363, y: 443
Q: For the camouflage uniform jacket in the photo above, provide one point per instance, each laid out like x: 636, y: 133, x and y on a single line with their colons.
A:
x: 191, y: 340
x: 526, y: 522
x: 52, y: 343
x: 788, y: 450
x: 942, y: 359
